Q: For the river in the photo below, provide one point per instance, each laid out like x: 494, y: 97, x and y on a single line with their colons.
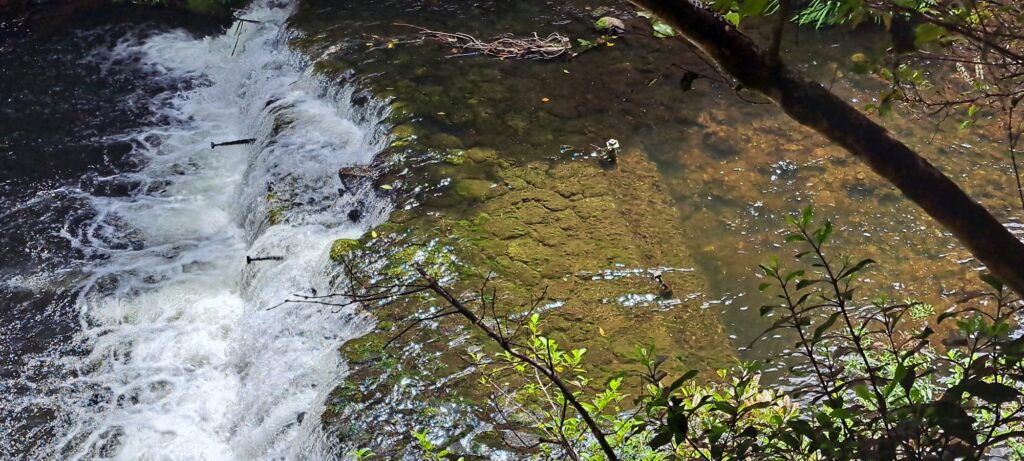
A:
x: 136, y: 329
x: 133, y: 326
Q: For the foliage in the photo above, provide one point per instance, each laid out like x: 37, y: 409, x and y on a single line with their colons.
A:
x: 822, y: 13
x: 525, y: 398
x: 868, y: 378
x: 430, y: 451
x: 362, y: 454
x: 866, y: 383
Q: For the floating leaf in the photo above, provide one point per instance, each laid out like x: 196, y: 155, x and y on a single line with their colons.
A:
x: 662, y: 29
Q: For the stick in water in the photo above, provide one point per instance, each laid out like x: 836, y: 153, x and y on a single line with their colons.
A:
x: 214, y: 145
x: 250, y: 259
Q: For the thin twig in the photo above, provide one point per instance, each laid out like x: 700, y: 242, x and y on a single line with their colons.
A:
x: 552, y: 46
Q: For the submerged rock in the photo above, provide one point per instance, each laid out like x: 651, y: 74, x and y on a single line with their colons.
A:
x: 473, y: 189
x: 590, y: 237
x: 609, y: 24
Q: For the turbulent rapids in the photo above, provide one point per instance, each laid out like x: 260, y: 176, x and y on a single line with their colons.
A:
x: 177, y: 355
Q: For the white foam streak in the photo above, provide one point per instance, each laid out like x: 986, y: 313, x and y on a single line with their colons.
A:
x: 185, y: 359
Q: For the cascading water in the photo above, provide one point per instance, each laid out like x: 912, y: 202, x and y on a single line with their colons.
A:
x: 182, y: 352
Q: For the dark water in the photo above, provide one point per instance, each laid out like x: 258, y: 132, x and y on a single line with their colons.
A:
x: 65, y: 101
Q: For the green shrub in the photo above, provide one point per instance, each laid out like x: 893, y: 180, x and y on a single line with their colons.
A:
x: 867, y: 382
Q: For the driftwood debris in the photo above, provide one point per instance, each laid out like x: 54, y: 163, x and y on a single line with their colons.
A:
x: 504, y: 46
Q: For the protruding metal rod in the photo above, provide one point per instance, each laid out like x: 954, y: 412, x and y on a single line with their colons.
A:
x: 250, y: 259
x: 214, y: 145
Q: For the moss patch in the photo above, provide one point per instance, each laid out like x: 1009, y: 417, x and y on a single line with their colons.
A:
x: 341, y: 248
x: 589, y: 236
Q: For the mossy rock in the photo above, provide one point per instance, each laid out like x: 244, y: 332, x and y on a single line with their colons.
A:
x: 399, y: 112
x: 404, y: 131
x: 445, y: 141
x: 481, y: 155
x: 608, y: 23
x: 455, y: 157
x: 276, y: 215
x: 342, y: 248
x: 473, y: 189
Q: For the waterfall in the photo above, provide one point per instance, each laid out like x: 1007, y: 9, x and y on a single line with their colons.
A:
x: 180, y: 354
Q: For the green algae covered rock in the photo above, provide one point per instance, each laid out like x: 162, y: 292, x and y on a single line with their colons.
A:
x: 608, y: 23
x: 445, y: 141
x: 584, y: 236
x: 473, y: 189
x: 455, y: 157
x: 342, y: 248
x: 481, y: 155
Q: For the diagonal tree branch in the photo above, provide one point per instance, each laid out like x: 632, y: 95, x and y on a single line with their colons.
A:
x: 543, y: 369
x: 813, y: 106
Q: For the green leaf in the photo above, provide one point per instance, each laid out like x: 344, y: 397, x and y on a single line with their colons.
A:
x: 585, y: 44
x: 992, y: 281
x: 864, y: 393
x: 952, y: 418
x: 802, y: 427
x: 825, y: 326
x: 795, y: 238
x: 752, y: 7
x: 823, y: 234
x: 856, y: 268
x: 662, y: 29
x: 806, y: 283
x: 682, y: 379
x: 805, y: 217
x: 678, y: 424
x: 660, y: 440
x: 885, y: 107
x: 907, y: 380
x: 991, y: 392
x: 733, y: 17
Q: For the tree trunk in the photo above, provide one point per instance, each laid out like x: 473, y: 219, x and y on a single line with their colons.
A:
x: 814, y: 106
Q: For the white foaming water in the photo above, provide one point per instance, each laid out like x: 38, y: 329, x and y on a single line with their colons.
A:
x: 184, y: 357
